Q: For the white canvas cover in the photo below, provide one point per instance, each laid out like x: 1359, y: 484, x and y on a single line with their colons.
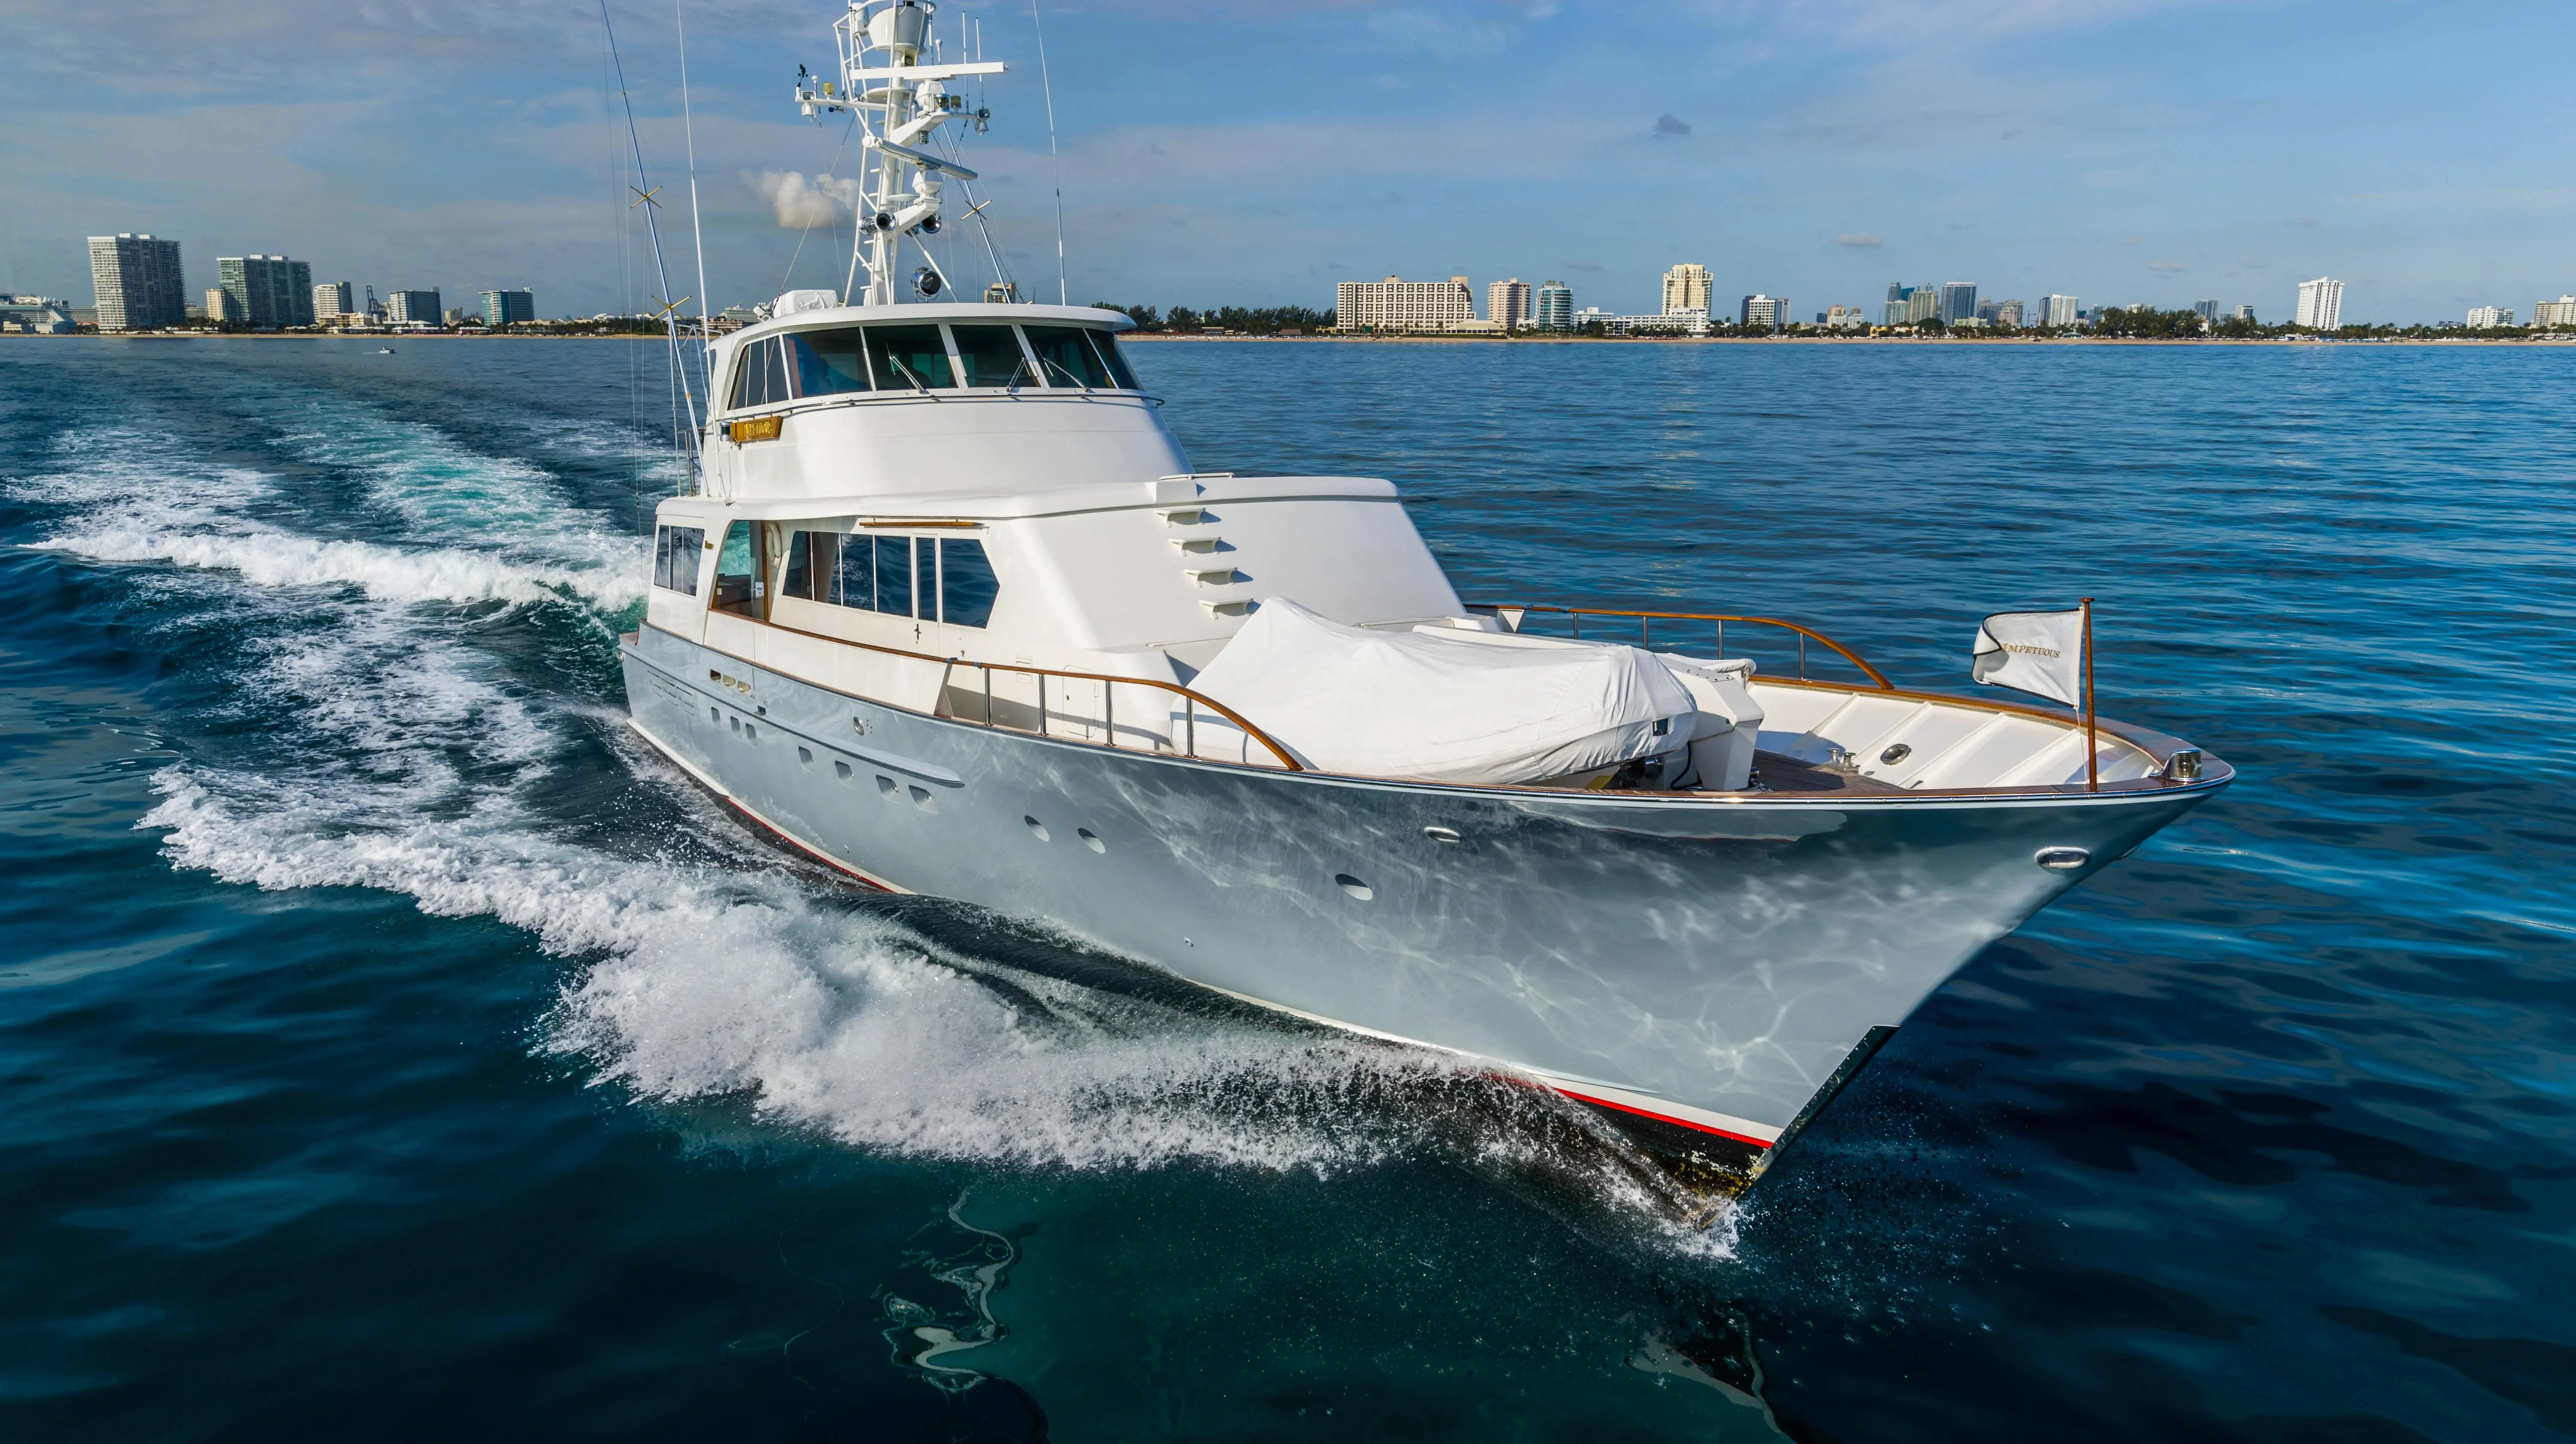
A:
x: 1443, y: 707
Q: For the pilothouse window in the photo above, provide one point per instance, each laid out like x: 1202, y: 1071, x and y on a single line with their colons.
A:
x: 909, y: 357
x: 992, y: 356
x: 760, y: 377
x: 1067, y: 358
x: 967, y: 587
x: 877, y: 574
x: 675, y: 557
x: 829, y: 363
x: 737, y: 574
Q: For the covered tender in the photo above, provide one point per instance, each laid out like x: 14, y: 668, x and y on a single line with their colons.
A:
x: 1454, y: 706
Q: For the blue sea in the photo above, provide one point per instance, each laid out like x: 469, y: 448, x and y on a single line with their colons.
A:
x: 391, y: 1048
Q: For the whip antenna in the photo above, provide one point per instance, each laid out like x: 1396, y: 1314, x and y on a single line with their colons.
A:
x: 1053, y: 159
x: 697, y: 235
x: 680, y: 393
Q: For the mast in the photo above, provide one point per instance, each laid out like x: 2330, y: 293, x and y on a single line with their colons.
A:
x: 899, y: 102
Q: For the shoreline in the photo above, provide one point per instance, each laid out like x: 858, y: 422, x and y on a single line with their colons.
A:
x: 387, y: 338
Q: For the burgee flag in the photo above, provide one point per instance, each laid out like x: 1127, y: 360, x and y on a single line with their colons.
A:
x: 2039, y: 652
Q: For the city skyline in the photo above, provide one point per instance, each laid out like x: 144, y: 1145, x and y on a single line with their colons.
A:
x: 2155, y: 151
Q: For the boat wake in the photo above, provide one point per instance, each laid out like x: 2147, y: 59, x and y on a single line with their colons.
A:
x: 376, y: 737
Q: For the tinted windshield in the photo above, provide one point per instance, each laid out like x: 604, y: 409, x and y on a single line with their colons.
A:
x: 1117, y: 362
x: 991, y: 354
x: 1066, y: 358
x: 909, y: 357
x: 828, y: 362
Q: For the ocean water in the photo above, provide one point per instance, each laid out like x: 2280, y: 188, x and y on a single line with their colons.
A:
x: 391, y: 1048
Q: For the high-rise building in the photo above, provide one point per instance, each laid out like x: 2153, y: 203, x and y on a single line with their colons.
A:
x: 331, y: 302
x: 1958, y: 301
x: 2561, y: 312
x: 2320, y: 304
x: 221, y: 308
x: 1555, y: 303
x: 2208, y: 311
x: 2241, y: 313
x: 2483, y: 317
x: 1766, y: 311
x: 2006, y: 313
x: 504, y: 308
x: 402, y: 308
x: 137, y: 277
x: 2056, y: 310
x: 1400, y: 305
x: 269, y: 290
x: 1922, y: 303
x: 1686, y: 288
x: 1507, y: 303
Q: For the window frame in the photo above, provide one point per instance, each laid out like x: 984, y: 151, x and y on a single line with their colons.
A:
x: 1028, y: 363
x: 667, y: 547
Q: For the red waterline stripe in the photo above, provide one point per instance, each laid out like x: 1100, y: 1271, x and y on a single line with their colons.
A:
x: 1662, y: 1118
x: 1624, y: 1108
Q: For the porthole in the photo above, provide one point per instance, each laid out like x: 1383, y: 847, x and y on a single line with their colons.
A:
x: 922, y: 799
x: 750, y: 733
x: 805, y: 755
x: 2061, y: 859
x: 1354, y: 886
x: 1895, y: 753
x: 1090, y: 839
x: 885, y: 785
x: 1037, y: 829
x: 713, y: 714
x: 733, y: 724
x: 842, y: 770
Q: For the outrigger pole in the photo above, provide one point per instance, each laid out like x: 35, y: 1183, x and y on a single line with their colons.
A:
x: 681, y: 395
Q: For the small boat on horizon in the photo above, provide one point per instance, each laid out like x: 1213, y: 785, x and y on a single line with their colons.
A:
x: 945, y: 605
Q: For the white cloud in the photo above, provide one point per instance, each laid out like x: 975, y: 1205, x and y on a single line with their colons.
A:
x: 801, y: 204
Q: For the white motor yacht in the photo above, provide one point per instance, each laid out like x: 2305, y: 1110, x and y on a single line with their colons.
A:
x: 947, y: 607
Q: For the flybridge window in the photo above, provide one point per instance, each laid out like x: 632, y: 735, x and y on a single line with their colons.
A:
x: 937, y: 579
x: 1117, y: 360
x: 992, y: 356
x: 675, y: 557
x: 908, y: 358
x: 760, y: 377
x: 1067, y: 358
x: 829, y: 363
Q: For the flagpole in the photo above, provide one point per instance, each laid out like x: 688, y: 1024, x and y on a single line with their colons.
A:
x: 2092, y: 743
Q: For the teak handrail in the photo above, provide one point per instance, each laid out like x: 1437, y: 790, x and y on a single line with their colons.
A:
x: 1645, y: 635
x: 1107, y: 699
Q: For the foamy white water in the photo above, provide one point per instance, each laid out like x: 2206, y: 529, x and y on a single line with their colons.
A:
x: 140, y: 498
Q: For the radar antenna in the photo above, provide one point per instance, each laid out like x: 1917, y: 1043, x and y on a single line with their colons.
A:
x: 899, y: 100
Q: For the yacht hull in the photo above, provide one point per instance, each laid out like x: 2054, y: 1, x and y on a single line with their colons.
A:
x: 1717, y: 967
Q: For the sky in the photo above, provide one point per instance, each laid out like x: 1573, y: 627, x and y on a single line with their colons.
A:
x: 1231, y: 152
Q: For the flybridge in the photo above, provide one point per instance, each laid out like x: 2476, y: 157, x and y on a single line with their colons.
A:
x: 901, y: 102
